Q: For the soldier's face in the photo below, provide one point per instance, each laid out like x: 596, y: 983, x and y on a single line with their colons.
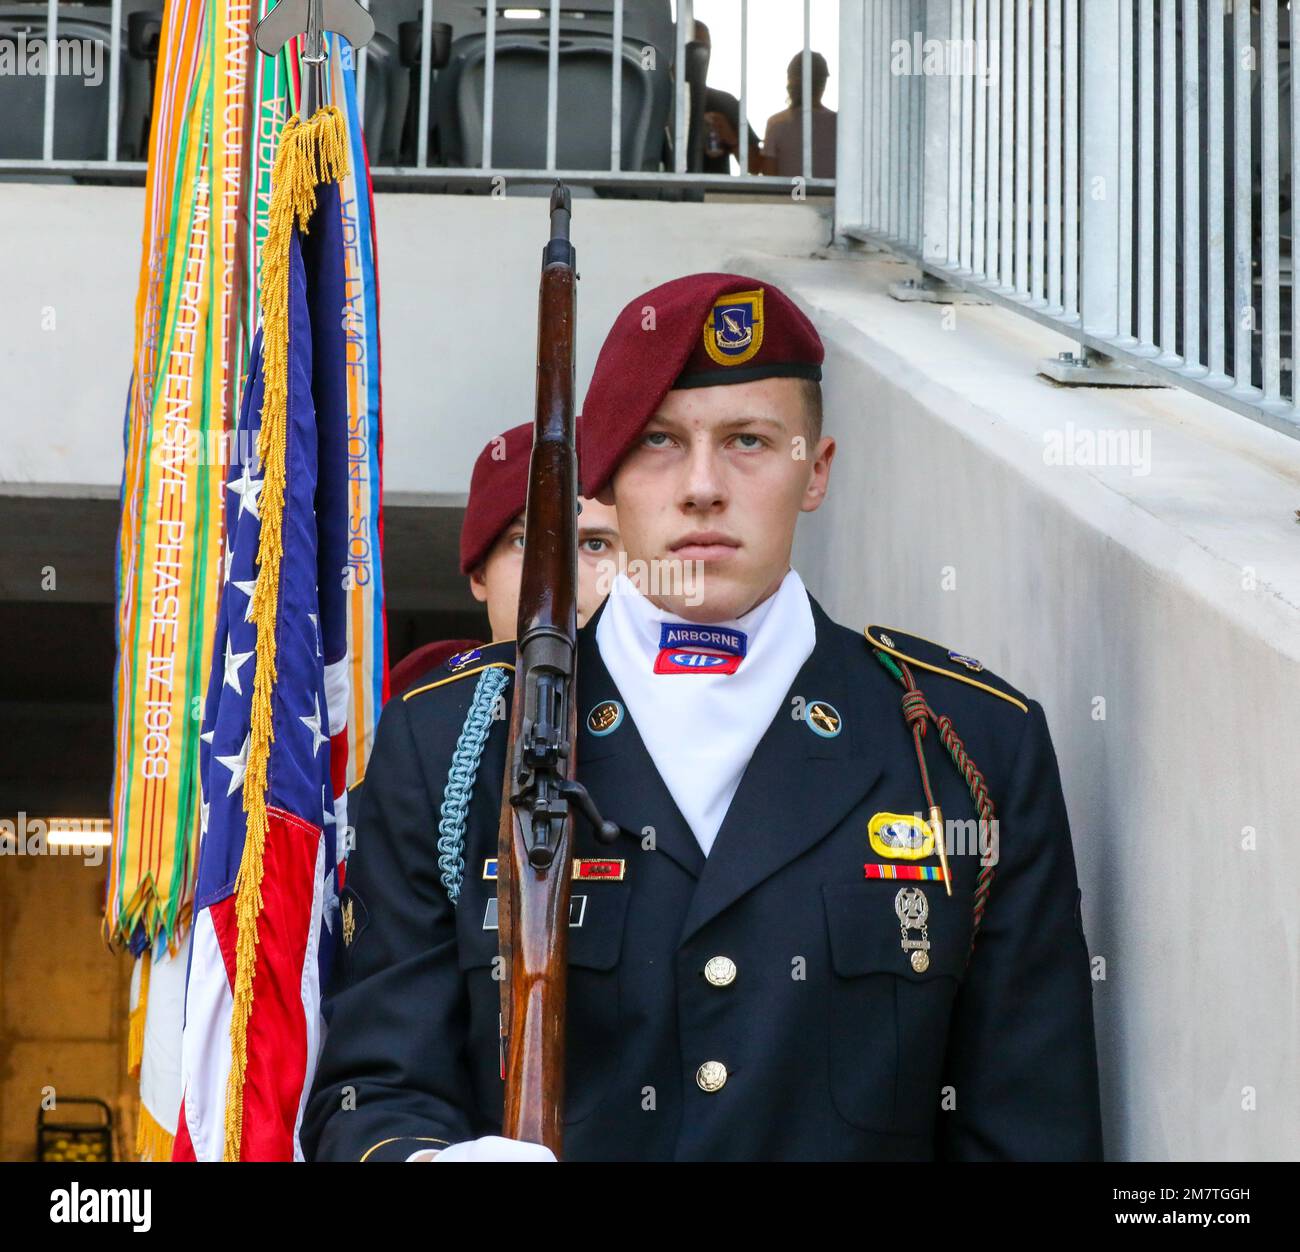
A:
x: 496, y: 582
x: 718, y: 480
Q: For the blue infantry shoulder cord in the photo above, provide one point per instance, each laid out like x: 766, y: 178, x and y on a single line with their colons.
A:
x: 461, y: 776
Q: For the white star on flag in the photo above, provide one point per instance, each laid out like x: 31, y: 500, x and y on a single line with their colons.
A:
x: 313, y: 724
x: 237, y: 765
x: 234, y: 660
x: 230, y: 556
x: 247, y: 589
x: 247, y: 489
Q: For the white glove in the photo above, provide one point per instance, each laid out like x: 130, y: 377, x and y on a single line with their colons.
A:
x: 488, y: 1148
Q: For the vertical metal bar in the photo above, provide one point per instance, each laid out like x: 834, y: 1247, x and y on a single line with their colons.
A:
x: 1215, y: 257
x: 426, y: 77
x: 1242, y: 302
x: 849, y: 139
x: 882, y: 55
x: 553, y: 84
x: 1124, y: 328
x: 963, y: 45
x: 115, y: 75
x: 1007, y: 77
x: 918, y: 130
x: 937, y: 208
x: 1053, y: 46
x: 1038, y: 168
x: 979, y: 41
x: 1269, y: 243
x: 361, y: 59
x: 887, y: 138
x: 994, y: 93
x: 1022, y: 147
x: 1070, y: 278
x: 616, y: 90
x: 870, y: 113
x: 1104, y: 63
x: 907, y: 157
x: 1146, y: 172
x: 489, y: 82
x: 679, y: 89
x: 1191, y: 250
x: 807, y: 89
x: 955, y: 215
x: 896, y: 130
x: 1168, y: 179
x: 1295, y: 217
x: 51, y: 64
x: 744, y: 99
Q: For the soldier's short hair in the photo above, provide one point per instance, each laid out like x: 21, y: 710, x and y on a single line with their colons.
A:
x: 812, y: 401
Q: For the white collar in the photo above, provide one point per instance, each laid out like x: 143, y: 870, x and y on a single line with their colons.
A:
x: 701, y: 729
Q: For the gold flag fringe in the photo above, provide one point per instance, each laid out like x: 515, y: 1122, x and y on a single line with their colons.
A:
x: 152, y: 1141
x: 311, y: 153
x: 135, y: 1023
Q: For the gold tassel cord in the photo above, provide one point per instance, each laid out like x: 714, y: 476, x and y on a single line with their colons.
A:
x: 311, y: 153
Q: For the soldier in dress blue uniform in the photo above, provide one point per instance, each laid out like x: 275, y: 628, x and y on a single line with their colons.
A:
x: 842, y: 919
x: 491, y: 550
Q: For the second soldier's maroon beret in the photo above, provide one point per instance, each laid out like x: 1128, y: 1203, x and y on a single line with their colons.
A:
x: 696, y: 331
x: 498, y: 491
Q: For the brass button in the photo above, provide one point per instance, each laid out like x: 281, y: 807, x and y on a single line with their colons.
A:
x: 711, y: 1076
x: 720, y: 971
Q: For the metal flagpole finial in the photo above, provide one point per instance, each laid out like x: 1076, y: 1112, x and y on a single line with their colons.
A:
x: 311, y: 19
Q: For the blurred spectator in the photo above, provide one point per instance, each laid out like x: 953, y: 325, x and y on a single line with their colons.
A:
x: 783, y: 143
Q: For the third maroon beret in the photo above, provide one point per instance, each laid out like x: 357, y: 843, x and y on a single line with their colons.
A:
x: 698, y: 331
x: 498, y: 491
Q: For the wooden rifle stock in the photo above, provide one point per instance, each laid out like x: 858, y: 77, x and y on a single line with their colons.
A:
x: 535, y: 836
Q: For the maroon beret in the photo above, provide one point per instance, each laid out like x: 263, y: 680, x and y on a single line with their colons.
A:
x: 708, y: 329
x: 498, y: 491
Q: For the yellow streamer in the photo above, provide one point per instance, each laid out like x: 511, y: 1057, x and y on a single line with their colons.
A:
x: 311, y: 153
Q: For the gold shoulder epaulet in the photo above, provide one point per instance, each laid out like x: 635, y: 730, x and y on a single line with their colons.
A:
x: 940, y: 660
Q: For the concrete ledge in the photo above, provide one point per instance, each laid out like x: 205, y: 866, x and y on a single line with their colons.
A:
x: 1156, y: 614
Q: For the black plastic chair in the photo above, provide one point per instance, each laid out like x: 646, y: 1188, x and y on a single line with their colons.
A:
x: 520, y: 104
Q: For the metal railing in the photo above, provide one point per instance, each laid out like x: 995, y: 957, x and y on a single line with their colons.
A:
x: 1115, y: 169
x: 411, y: 74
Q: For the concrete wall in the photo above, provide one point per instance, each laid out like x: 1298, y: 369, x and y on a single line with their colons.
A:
x: 458, y: 282
x: 1171, y: 594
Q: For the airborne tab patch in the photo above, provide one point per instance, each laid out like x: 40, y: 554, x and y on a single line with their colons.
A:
x: 718, y: 638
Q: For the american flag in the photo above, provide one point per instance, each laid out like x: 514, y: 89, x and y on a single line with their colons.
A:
x: 266, y: 897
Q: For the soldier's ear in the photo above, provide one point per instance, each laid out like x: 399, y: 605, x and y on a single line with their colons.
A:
x: 819, y: 475
x: 478, y: 584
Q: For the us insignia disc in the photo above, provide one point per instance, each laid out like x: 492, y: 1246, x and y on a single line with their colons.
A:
x: 823, y: 719
x: 605, y: 717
